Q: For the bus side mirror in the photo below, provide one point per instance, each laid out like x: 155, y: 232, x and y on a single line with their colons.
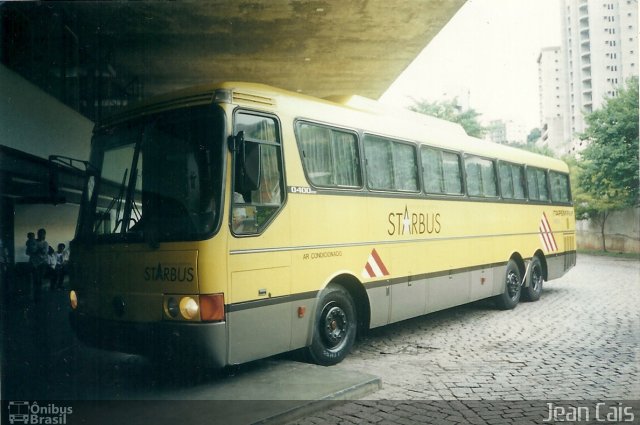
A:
x: 247, y: 163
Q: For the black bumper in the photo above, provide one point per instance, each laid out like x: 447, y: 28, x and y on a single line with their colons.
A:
x: 198, y: 342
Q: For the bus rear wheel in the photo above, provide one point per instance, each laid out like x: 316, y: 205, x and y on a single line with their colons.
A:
x: 513, y: 288
x: 334, y: 328
x: 533, y: 291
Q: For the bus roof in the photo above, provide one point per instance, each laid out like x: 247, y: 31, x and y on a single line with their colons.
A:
x: 351, y: 111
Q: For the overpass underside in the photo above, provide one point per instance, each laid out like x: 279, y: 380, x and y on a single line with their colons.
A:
x: 97, y: 57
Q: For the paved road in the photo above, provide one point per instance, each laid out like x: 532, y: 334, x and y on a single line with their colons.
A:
x: 471, y: 364
x: 580, y: 342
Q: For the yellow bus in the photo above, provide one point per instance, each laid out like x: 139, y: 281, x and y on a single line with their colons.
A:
x: 233, y: 222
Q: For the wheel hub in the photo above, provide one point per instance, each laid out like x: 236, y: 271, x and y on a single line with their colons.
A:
x: 513, y: 284
x: 335, y: 325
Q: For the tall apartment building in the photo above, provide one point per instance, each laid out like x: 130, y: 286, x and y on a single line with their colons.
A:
x: 506, y: 132
x: 553, y: 100
x: 600, y: 51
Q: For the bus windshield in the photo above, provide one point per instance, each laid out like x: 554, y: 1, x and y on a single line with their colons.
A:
x: 159, y: 179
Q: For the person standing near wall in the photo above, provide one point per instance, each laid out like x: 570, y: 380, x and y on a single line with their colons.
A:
x: 30, y: 250
x: 4, y: 264
x: 39, y: 263
x: 62, y: 260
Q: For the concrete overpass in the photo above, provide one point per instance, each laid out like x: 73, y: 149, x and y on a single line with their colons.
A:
x: 319, y: 47
x: 97, y: 57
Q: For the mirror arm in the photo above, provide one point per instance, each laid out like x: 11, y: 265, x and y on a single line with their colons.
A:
x: 236, y: 142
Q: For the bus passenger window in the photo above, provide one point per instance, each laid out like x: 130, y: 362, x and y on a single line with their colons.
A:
x: 391, y: 165
x: 517, y: 172
x: 559, y: 187
x: 432, y: 170
x: 537, y: 184
x: 511, y: 181
x: 452, y: 173
x: 441, y: 171
x: 481, y: 177
x: 330, y: 156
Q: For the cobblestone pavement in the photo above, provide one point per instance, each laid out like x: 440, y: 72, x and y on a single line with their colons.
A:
x: 475, y: 364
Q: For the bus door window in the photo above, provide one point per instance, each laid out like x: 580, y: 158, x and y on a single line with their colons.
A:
x: 254, y: 207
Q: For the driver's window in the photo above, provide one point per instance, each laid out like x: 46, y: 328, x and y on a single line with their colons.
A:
x: 252, y: 210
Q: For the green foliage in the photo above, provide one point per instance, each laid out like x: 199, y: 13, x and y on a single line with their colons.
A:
x: 450, y: 110
x: 610, y: 162
x: 534, y: 135
x: 607, y: 177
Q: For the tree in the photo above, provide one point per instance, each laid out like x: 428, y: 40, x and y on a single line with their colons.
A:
x: 534, y: 135
x: 608, y: 176
x: 450, y: 110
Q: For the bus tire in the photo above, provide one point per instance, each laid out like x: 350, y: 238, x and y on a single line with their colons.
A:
x: 513, y: 288
x: 334, y: 329
x: 536, y: 278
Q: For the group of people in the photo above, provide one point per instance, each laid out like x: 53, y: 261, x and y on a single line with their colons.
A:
x: 45, y: 262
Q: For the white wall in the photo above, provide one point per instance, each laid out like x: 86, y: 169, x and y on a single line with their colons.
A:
x: 37, y: 123
x: 622, y: 232
x: 34, y: 122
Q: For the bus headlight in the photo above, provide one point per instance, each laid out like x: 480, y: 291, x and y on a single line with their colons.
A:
x: 188, y: 308
x: 73, y: 299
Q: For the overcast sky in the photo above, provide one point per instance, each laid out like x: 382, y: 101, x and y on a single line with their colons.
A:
x: 490, y: 48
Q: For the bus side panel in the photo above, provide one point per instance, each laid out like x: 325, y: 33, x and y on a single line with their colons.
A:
x: 558, y: 265
x: 379, y: 305
x: 258, y: 332
x: 408, y: 299
x: 303, y: 313
x: 447, y: 291
x: 482, y: 283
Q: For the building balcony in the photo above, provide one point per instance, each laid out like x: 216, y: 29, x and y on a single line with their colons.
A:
x: 584, y: 22
x: 583, y: 8
x: 584, y: 35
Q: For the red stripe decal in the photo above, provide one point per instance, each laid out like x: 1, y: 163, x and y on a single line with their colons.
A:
x: 379, y: 262
x: 369, y: 270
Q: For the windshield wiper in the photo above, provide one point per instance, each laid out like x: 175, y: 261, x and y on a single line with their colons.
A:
x: 116, y: 200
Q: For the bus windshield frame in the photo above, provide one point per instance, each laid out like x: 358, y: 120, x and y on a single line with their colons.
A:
x: 159, y: 178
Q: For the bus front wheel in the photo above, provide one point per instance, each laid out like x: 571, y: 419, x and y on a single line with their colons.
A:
x: 513, y: 288
x: 334, y: 328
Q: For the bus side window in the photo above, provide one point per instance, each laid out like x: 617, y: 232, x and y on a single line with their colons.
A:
x: 253, y: 210
x: 391, y: 165
x: 432, y: 173
x: 559, y: 187
x: 441, y: 171
x: 481, y: 177
x: 537, y: 184
x: 511, y: 180
x: 330, y: 156
x: 452, y: 173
